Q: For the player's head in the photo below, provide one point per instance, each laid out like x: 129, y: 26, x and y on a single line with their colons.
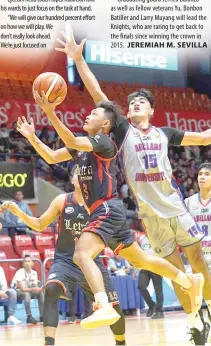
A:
x: 102, y: 119
x: 141, y: 105
x: 204, y: 176
x: 27, y: 262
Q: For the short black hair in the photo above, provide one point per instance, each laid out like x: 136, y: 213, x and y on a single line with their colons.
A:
x: 144, y: 93
x: 112, y: 112
x: 27, y: 256
x: 206, y: 165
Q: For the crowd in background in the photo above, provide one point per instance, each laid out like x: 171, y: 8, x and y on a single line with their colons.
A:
x: 184, y: 160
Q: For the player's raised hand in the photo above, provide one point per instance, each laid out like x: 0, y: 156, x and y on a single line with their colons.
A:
x: 42, y: 101
x: 71, y: 48
x: 12, y: 206
x: 25, y: 128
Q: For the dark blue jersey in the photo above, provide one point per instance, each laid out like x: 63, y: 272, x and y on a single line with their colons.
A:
x: 72, y: 220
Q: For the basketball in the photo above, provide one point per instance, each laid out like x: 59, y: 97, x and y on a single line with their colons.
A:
x: 52, y: 84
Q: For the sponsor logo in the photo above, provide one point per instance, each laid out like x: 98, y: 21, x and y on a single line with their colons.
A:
x: 98, y: 52
x: 69, y: 210
x: 10, y: 180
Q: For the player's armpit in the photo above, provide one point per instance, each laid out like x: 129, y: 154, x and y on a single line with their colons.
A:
x: 81, y: 144
x: 197, y: 138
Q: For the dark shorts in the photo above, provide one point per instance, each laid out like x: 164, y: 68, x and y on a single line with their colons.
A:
x: 68, y: 275
x: 110, y: 223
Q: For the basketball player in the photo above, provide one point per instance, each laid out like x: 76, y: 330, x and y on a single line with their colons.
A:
x: 143, y: 151
x: 64, y: 273
x: 96, y: 159
x: 199, y: 206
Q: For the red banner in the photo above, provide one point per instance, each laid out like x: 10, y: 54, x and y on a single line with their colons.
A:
x: 73, y: 116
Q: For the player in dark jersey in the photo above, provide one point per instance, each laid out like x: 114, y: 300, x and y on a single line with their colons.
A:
x: 96, y: 155
x: 143, y: 153
x: 64, y: 273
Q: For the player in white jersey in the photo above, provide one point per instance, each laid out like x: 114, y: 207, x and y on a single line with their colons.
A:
x: 199, y: 205
x: 144, y: 155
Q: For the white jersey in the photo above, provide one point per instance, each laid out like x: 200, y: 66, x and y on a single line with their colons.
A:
x: 144, y: 157
x: 202, y: 215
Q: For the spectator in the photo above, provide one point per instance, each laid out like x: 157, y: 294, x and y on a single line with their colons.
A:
x: 192, y: 170
x: 155, y: 310
x: 119, y: 266
x: 45, y: 136
x: 4, y: 141
x: 18, y: 143
x: 191, y: 192
x: 25, y: 281
x: 14, y: 224
x: 9, y: 298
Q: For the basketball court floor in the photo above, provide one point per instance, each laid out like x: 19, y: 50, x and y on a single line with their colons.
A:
x: 172, y: 330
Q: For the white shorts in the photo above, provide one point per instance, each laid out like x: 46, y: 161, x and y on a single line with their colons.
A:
x: 165, y: 234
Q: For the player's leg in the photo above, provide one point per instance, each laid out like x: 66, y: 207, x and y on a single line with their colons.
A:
x: 90, y: 245
x: 143, y: 283
x: 55, y: 288
x: 117, y: 328
x: 53, y: 291
x: 139, y: 259
x: 158, y: 286
x: 166, y: 246
x: 189, y: 236
x: 198, y: 263
x: 196, y: 321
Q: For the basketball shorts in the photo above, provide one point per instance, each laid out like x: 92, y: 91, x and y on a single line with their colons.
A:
x: 68, y: 275
x: 165, y: 234
x: 110, y: 223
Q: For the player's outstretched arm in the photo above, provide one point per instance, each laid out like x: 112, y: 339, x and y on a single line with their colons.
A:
x: 74, y: 51
x: 35, y: 223
x: 50, y: 156
x: 71, y: 141
x: 197, y: 138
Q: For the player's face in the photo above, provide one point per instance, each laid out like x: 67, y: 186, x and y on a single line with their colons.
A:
x: 95, y: 121
x: 204, y: 179
x: 139, y: 109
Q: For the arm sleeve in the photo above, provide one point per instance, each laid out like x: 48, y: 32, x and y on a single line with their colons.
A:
x: 120, y: 130
x: 103, y: 146
x: 174, y: 136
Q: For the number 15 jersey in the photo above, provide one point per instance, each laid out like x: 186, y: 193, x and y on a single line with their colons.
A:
x: 144, y: 158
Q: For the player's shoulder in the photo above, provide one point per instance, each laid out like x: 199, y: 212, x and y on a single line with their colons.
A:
x: 60, y: 198
x: 192, y: 199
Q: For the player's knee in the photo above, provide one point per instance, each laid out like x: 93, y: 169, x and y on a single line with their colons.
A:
x: 53, y: 291
x: 196, y: 259
x: 79, y: 257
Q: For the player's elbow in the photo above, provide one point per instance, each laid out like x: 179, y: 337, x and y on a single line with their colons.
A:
x: 98, y: 96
